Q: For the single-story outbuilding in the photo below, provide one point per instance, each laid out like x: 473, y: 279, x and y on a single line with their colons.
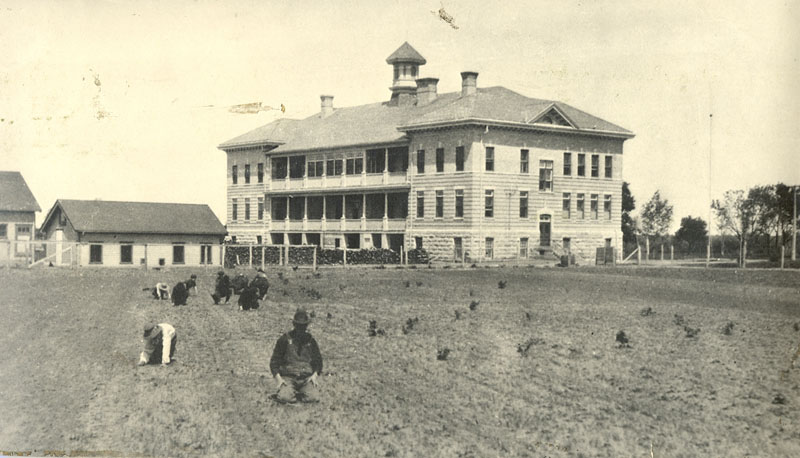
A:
x: 18, y: 210
x: 120, y: 234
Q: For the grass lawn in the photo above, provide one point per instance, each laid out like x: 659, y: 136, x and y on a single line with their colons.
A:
x: 533, y: 370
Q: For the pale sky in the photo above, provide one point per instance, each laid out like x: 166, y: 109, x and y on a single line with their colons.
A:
x: 126, y: 100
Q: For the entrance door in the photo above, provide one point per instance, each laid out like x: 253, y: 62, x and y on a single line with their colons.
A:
x: 544, y: 230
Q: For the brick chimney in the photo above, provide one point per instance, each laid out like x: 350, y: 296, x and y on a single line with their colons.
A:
x: 326, y: 105
x: 469, y: 83
x: 426, y: 90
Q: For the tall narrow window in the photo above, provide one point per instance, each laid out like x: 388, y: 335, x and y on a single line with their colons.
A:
x: 126, y: 253
x: 459, y: 158
x: 420, y: 204
x: 458, y: 248
x: 489, y: 248
x: 523, y: 204
x: 581, y: 206
x: 607, y: 206
x: 523, y: 161
x: 234, y: 210
x: 545, y: 176
x: 247, y: 174
x: 315, y: 169
x: 95, y: 254
x: 459, y: 203
x: 235, y: 174
x: 439, y: 160
x: 247, y: 209
x: 3, y: 231
x: 297, y: 166
x: 260, y: 208
x: 523, y: 247
x: 376, y: 160
x: 260, y: 172
x: 566, y: 201
x: 421, y: 161
x: 439, y: 203
x: 490, y: 158
x: 567, y: 164
x: 488, y: 203
x: 279, y: 167
x: 177, y: 254
x: 593, y: 207
x: 595, y: 166
x: 609, y: 166
x: 581, y: 165
x: 355, y: 165
x: 334, y: 167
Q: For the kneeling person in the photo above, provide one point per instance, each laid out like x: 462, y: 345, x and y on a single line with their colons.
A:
x: 160, y: 341
x: 296, y: 362
x: 180, y: 292
x: 249, y: 298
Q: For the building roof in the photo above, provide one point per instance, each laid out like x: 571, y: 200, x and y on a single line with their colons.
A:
x: 277, y: 132
x: 15, y: 194
x: 406, y: 53
x: 103, y: 216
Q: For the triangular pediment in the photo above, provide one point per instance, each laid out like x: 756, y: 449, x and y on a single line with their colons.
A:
x: 554, y: 117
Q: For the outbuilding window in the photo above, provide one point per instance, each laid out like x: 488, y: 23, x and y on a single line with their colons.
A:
x: 178, y: 254
x: 96, y: 254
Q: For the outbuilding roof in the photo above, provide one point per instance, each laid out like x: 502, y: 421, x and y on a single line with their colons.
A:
x: 15, y: 194
x: 101, y: 216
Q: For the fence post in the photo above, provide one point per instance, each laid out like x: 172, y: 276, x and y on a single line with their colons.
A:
x: 8, y: 259
x: 744, y: 254
x: 224, y: 252
x: 314, y: 260
x: 344, y: 257
x: 251, y: 255
x: 638, y: 254
x: 662, y: 251
x: 263, y: 255
x: 647, y: 248
x: 672, y: 252
x: 783, y: 249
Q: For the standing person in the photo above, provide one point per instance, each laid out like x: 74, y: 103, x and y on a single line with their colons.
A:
x: 191, y: 284
x: 261, y: 283
x: 296, y: 362
x: 222, y: 288
x: 160, y: 341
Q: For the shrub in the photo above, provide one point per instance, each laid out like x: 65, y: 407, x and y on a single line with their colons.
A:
x: 418, y: 256
x: 474, y: 305
x: 728, y: 329
x: 442, y: 354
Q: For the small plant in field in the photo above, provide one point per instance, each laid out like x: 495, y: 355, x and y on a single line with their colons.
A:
x: 317, y: 274
x: 458, y: 314
x: 410, y: 325
x: 442, y: 354
x: 523, y: 348
x: 285, y: 281
x: 780, y: 399
x: 342, y: 287
x: 285, y: 293
x: 329, y: 315
x: 408, y: 284
x: 471, y: 292
x: 474, y: 305
x: 691, y: 332
x: 528, y: 316
x: 647, y: 312
x: 314, y: 294
x: 622, y: 339
x: 679, y: 320
x: 728, y: 329
x: 502, y: 284
x: 419, y: 283
x: 473, y: 266
x: 797, y: 327
x: 294, y: 268
x: 374, y: 330
x: 280, y: 275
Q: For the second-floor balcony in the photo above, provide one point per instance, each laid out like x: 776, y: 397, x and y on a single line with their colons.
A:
x: 339, y: 181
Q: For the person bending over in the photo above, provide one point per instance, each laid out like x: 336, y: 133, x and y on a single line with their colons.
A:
x: 160, y: 341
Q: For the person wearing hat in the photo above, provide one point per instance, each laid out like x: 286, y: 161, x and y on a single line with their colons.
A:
x: 296, y: 362
x: 248, y: 299
x: 222, y: 288
x: 191, y: 284
x: 261, y: 283
x: 161, y: 291
x: 160, y: 341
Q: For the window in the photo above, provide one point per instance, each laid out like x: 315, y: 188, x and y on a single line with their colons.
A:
x: 565, y: 205
x: 334, y: 167
x: 279, y: 168
x: 333, y: 207
x: 260, y: 172
x: 581, y: 165
x: 376, y: 159
x: 607, y: 206
x: 420, y: 204
x: 459, y: 203
x: 421, y: 161
x: 439, y: 203
x: 567, y: 164
x: 126, y: 253
x: 3, y: 231
x: 523, y: 247
x: 459, y: 158
x: 279, y: 209
x: 523, y: 161
x: 595, y: 166
x: 177, y: 254
x: 581, y: 208
x: 247, y: 174
x: 315, y: 169
x: 297, y: 206
x: 523, y: 204
x: 488, y: 203
x: 489, y: 248
x: 258, y: 239
x: 260, y: 208
x: 355, y: 165
x: 235, y: 174
x: 23, y: 229
x: 297, y: 166
x: 545, y: 176
x: 593, y: 207
x: 95, y: 254
x: 439, y: 160
x: 234, y: 210
x: 458, y: 248
x: 418, y: 242
x: 490, y: 158
x: 205, y: 254
x: 609, y: 166
x: 247, y: 209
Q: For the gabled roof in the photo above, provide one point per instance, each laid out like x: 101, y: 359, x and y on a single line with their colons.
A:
x: 15, y: 194
x: 406, y: 53
x: 103, y: 216
x: 386, y: 123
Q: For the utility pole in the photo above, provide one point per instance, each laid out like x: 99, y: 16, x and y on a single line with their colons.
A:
x: 708, y: 247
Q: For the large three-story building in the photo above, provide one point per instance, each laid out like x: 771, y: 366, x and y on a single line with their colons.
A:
x: 484, y: 172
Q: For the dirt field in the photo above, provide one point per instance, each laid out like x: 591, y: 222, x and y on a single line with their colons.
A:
x: 68, y: 379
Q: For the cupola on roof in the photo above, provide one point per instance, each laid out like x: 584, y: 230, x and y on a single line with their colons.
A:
x: 406, y: 53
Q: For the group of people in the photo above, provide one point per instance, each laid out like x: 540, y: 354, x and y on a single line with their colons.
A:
x: 295, y: 364
x: 180, y: 292
x: 249, y: 292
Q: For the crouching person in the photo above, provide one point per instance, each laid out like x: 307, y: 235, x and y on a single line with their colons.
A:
x: 248, y: 300
x: 180, y: 292
x: 161, y: 291
x: 260, y: 281
x: 296, y: 362
x: 160, y: 341
x: 222, y: 288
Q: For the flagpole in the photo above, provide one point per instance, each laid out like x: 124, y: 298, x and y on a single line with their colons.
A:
x: 708, y: 247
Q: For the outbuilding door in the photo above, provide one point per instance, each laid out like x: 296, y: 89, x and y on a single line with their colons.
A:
x: 544, y: 230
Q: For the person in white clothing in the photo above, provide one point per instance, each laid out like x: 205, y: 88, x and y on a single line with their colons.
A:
x: 160, y: 341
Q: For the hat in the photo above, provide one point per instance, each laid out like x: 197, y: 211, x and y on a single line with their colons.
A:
x: 193, y: 276
x: 221, y: 273
x: 148, y: 329
x: 301, y: 317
